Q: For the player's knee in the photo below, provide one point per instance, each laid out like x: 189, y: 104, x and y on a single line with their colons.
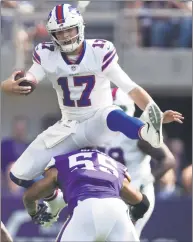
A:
x: 20, y: 182
x: 108, y: 110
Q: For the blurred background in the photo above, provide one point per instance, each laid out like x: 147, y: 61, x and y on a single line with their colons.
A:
x: 154, y: 43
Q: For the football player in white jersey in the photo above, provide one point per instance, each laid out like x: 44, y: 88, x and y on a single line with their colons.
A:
x: 136, y: 156
x: 80, y: 71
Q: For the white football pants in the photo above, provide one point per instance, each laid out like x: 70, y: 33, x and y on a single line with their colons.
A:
x: 99, y: 220
x: 90, y: 132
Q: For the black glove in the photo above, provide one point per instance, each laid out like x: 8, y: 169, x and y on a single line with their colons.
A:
x: 41, y: 216
x: 137, y: 211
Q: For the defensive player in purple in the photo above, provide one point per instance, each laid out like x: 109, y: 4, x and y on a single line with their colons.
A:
x: 93, y: 185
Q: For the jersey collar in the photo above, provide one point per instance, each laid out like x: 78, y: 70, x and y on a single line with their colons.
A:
x: 81, y: 55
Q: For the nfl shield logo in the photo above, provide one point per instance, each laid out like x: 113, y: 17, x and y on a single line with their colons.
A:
x: 73, y: 68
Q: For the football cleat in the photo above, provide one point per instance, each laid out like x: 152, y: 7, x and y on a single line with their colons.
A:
x: 152, y: 130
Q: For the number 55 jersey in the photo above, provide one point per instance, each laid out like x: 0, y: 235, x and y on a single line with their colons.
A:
x: 82, y: 82
x: 86, y: 174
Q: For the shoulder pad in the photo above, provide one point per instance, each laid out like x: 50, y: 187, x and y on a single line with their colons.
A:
x: 106, y: 52
x: 109, y: 55
x: 41, y: 51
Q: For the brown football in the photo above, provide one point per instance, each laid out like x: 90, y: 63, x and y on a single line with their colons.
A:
x: 30, y: 80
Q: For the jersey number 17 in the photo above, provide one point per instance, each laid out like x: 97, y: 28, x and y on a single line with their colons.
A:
x: 84, y: 100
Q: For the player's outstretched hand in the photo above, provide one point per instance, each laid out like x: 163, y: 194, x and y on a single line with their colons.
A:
x: 12, y: 86
x: 170, y: 116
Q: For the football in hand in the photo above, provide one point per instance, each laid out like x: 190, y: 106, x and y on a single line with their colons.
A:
x: 30, y: 80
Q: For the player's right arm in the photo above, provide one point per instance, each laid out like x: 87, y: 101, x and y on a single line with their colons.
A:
x: 40, y: 190
x: 10, y: 86
x: 138, y: 201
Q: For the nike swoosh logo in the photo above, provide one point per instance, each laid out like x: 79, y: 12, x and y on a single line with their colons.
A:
x: 148, y: 126
x: 158, y: 134
x: 67, y: 126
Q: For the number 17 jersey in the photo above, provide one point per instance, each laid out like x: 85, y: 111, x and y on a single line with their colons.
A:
x: 82, y: 86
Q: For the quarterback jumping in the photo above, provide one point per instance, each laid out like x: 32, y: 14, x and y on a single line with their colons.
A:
x: 81, y: 71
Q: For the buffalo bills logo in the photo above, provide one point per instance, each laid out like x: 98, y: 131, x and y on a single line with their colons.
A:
x: 73, y: 10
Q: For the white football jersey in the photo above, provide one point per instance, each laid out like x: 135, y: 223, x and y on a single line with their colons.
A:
x: 127, y: 152
x: 82, y: 86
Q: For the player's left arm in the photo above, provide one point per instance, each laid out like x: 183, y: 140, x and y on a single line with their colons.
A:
x: 129, y: 194
x: 115, y: 74
x: 40, y: 189
x: 162, y: 156
x: 138, y: 94
x: 135, y: 92
x: 139, y: 203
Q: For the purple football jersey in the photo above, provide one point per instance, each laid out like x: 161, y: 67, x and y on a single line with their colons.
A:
x: 86, y: 174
